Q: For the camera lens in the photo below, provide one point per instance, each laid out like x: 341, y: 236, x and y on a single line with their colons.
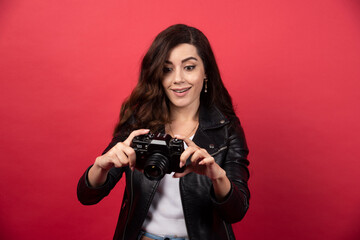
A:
x: 156, y: 166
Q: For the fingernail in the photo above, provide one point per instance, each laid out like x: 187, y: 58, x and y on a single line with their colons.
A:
x: 181, y: 164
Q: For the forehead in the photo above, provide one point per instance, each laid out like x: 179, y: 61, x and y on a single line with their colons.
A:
x: 183, y: 51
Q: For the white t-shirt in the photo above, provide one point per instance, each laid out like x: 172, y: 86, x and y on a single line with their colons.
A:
x: 166, y: 216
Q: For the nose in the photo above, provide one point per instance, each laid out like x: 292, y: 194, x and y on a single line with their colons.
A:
x: 178, y: 78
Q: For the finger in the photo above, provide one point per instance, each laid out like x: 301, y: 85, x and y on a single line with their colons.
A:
x: 186, y: 154
x: 188, y: 142
x: 122, y: 158
x: 116, y: 162
x: 104, y: 162
x: 134, y: 134
x: 199, y: 155
x: 207, y: 161
x: 112, y: 158
x: 126, y: 154
x: 130, y: 153
x: 186, y: 171
x: 118, y: 154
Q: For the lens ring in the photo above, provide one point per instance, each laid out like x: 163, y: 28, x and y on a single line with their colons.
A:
x: 156, y: 166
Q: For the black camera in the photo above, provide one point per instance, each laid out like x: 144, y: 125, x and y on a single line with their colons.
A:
x: 157, y: 154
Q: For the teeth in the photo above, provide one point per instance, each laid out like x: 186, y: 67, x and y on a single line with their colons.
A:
x: 181, y: 91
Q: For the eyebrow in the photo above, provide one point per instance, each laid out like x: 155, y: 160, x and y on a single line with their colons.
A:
x: 184, y: 60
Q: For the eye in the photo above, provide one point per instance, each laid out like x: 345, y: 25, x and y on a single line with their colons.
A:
x: 167, y: 70
x: 190, y: 67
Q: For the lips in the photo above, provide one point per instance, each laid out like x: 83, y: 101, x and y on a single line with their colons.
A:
x: 180, y: 91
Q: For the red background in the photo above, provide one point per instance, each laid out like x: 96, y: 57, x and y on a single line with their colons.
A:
x: 292, y: 67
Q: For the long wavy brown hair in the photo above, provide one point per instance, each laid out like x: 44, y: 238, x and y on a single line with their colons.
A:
x: 148, y: 105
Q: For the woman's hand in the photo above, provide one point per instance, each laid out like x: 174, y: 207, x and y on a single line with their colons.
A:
x: 203, y: 163
x: 121, y: 155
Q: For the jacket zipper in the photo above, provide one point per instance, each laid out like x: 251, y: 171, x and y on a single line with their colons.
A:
x: 221, y: 149
x: 131, y: 202
x: 182, y: 203
x: 226, y: 230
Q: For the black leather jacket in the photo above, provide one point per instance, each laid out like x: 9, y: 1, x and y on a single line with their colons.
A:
x: 205, y: 217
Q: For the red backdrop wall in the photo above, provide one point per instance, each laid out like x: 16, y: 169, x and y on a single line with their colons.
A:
x: 292, y: 67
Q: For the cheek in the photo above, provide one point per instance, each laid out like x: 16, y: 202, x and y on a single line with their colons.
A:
x: 165, y: 84
x: 199, y: 83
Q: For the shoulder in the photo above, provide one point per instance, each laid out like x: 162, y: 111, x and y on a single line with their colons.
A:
x: 211, y: 117
x: 221, y: 129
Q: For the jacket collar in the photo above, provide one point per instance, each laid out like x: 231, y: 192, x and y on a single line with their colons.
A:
x: 211, y: 117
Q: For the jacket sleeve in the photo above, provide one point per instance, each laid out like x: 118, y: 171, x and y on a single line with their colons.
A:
x: 236, y: 203
x: 89, y: 195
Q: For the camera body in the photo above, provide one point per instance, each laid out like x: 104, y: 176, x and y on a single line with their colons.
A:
x: 157, y: 154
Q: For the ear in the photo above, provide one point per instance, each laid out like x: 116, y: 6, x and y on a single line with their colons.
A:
x: 205, y: 75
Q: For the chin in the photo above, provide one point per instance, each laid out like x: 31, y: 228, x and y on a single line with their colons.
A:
x: 183, y: 104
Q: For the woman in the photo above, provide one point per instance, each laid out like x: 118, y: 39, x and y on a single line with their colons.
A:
x: 179, y: 92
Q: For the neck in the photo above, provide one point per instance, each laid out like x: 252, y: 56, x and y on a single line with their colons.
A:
x: 184, y: 114
x: 184, y: 121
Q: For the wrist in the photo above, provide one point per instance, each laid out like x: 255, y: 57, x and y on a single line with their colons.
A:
x: 220, y: 177
x: 97, y: 175
x: 221, y: 185
x: 98, y: 166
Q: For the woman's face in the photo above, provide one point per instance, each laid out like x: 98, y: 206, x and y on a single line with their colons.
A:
x: 184, y: 77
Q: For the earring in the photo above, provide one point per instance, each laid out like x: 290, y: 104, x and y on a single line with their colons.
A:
x: 205, y: 88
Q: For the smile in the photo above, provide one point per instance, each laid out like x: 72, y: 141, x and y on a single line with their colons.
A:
x: 181, y: 90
